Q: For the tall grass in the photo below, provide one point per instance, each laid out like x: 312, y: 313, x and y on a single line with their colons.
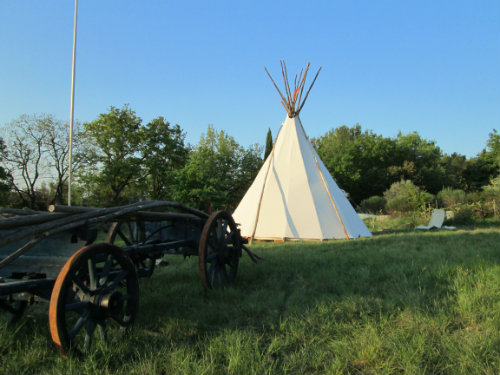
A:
x: 399, y: 303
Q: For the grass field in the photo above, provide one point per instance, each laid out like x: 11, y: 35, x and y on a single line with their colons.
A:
x: 397, y: 303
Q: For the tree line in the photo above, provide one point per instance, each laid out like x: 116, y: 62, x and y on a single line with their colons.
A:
x: 118, y: 159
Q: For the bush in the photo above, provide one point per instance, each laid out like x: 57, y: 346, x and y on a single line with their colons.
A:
x: 490, y: 198
x: 404, y: 197
x: 469, y: 207
x: 373, y: 205
x: 448, y: 198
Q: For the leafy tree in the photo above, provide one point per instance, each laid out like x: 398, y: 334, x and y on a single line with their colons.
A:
x: 455, y: 166
x: 485, y: 166
x: 163, y: 152
x: 494, y: 147
x: 418, y: 160
x: 218, y: 172
x: 4, y: 176
x: 269, y: 144
x: 111, y: 156
x: 357, y: 160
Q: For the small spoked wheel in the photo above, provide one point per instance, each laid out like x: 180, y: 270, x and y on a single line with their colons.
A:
x: 97, y: 290
x: 130, y: 233
x: 219, y: 252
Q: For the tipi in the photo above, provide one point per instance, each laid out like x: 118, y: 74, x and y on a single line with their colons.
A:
x: 294, y: 196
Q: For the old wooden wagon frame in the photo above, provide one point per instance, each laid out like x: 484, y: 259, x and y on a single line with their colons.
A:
x: 92, y: 287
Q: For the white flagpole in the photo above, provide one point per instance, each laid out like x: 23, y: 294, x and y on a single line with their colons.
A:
x: 72, y: 105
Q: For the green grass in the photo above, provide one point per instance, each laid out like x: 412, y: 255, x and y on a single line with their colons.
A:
x: 397, y: 303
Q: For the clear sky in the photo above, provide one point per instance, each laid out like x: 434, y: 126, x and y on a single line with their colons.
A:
x: 426, y: 66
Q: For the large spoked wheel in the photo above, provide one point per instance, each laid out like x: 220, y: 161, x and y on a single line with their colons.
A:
x: 96, y: 290
x: 130, y: 233
x: 219, y: 252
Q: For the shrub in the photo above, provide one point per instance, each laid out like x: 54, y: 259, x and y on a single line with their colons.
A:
x: 405, y: 196
x: 490, y: 198
x: 373, y: 205
x: 448, y: 198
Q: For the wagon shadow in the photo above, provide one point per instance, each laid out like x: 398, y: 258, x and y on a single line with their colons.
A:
x: 380, y: 275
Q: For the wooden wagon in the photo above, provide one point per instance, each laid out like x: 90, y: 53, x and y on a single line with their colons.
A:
x: 91, y: 280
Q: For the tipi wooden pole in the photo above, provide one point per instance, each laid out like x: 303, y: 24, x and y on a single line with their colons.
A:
x: 326, y: 185
x: 310, y: 87
x: 270, y: 157
x: 283, y: 100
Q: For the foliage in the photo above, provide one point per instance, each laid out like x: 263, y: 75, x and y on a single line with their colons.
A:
x: 4, y: 176
x: 490, y: 197
x: 455, y: 167
x: 405, y: 303
x: 111, y: 155
x: 37, y: 151
x: 218, y: 172
x: 449, y: 198
x: 358, y: 161
x: 418, y: 160
x: 365, y: 164
x: 494, y: 148
x: 163, y: 153
x: 373, y: 205
x: 269, y: 144
x: 404, y: 197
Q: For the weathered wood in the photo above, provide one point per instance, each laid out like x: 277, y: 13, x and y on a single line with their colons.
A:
x: 45, y: 230
x: 142, y: 215
x: 19, y: 221
x: 17, y: 211
x: 80, y: 209
x: 71, y: 209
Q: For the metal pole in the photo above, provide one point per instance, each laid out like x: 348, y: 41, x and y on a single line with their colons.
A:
x: 72, y: 105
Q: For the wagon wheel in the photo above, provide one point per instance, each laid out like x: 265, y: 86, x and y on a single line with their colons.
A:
x: 131, y: 233
x: 96, y: 288
x: 219, y: 252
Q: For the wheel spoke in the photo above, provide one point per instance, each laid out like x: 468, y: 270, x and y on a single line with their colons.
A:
x: 105, y: 271
x: 76, y: 306
x: 211, y: 257
x: 115, y: 282
x: 78, y: 325
x: 82, y: 286
x: 101, y: 327
x: 89, y: 332
x: 92, y: 274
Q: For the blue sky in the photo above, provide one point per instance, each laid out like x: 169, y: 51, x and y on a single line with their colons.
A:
x: 426, y: 66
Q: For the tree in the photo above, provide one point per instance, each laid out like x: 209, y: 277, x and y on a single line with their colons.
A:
x: 163, y: 153
x: 218, y: 172
x: 269, y: 144
x: 418, y: 160
x: 485, y: 166
x: 455, y: 166
x: 111, y: 156
x: 25, y: 158
x: 494, y: 147
x: 357, y: 160
x: 4, y: 176
x: 38, y: 153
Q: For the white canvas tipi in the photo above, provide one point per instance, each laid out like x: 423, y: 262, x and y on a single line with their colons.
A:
x: 294, y: 196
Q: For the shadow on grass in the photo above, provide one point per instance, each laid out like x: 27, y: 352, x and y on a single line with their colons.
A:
x: 351, y: 280
x: 381, y: 275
